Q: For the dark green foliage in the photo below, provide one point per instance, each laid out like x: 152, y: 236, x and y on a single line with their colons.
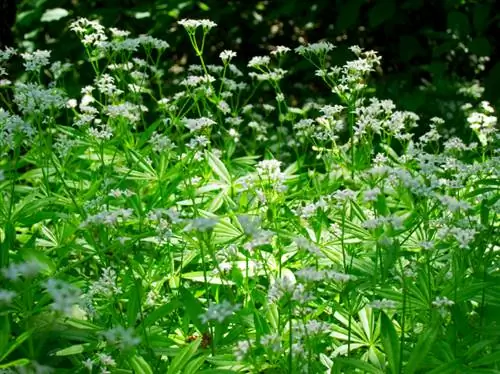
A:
x: 7, y: 20
x: 429, y: 48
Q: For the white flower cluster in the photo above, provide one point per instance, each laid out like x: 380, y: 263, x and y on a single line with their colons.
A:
x: 271, y: 341
x: 280, y: 50
x: 14, y: 129
x: 383, y: 304
x: 259, y: 61
x: 310, y: 274
x: 130, y: 112
x: 196, y: 124
x: 122, y: 337
x: 6, y: 296
x: 192, y: 24
x: 28, y: 269
x: 202, y: 224
x: 241, y: 350
x: 65, y: 296
x: 161, y: 143
x: 287, y: 287
x: 219, y: 312
x: 463, y: 236
x: 35, y: 60
x: 108, y: 217
x: 454, y: 205
x: 91, y: 32
x: 269, y: 173
x: 303, y: 243
x: 107, y: 284
x: 105, y: 361
x: 310, y: 329
x: 440, y: 302
x: 483, y: 123
x: 313, y: 49
x: 33, y: 98
x: 258, y: 239
x: 227, y: 56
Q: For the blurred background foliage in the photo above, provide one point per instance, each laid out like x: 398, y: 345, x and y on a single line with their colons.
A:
x: 430, y: 49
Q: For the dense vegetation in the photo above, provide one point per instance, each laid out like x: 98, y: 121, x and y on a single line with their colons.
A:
x: 185, y: 206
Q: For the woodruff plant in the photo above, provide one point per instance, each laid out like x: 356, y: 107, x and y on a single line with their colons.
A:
x: 211, y: 232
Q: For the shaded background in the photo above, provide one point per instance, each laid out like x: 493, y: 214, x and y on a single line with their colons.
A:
x: 430, y: 48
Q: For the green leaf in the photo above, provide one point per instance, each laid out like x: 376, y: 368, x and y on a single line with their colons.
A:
x: 5, y: 333
x: 141, y: 15
x: 486, y: 360
x: 193, y: 308
x: 458, y: 22
x: 381, y: 11
x: 54, y: 14
x: 424, y: 344
x: 390, y: 342
x: 19, y: 340
x: 194, y: 366
x: 139, y: 365
x: 134, y: 302
x: 197, y: 276
x: 73, y: 350
x: 358, y: 364
x: 381, y: 205
x: 484, y: 213
x: 19, y: 362
x: 183, y: 357
x: 159, y: 313
x: 218, y: 168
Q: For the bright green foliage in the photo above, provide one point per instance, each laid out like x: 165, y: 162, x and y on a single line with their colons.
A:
x: 220, y: 225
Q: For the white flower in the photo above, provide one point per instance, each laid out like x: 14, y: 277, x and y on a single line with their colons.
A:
x: 106, y: 285
x: 192, y: 24
x: 241, y: 350
x: 64, y: 294
x: 227, y: 56
x: 6, y: 296
x: 259, y: 61
x: 88, y: 364
x: 314, y: 48
x: 28, y: 269
x: 35, y: 60
x: 71, y: 103
x: 161, y: 143
x: 442, y: 302
x: 280, y: 50
x: 201, y: 224
x: 34, y: 98
x: 195, y: 124
x: 106, y: 360
x: 219, y: 312
x: 91, y: 32
x: 7, y: 53
x: 371, y: 194
x: 271, y: 341
x: 122, y: 337
x: 383, y: 304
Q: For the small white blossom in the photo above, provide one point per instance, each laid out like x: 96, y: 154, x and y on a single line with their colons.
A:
x: 219, y: 312
x: 6, y: 296
x: 227, y: 56
x: 122, y: 337
x: 35, y: 60
x: 258, y: 61
x: 65, y: 296
x: 192, y: 24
